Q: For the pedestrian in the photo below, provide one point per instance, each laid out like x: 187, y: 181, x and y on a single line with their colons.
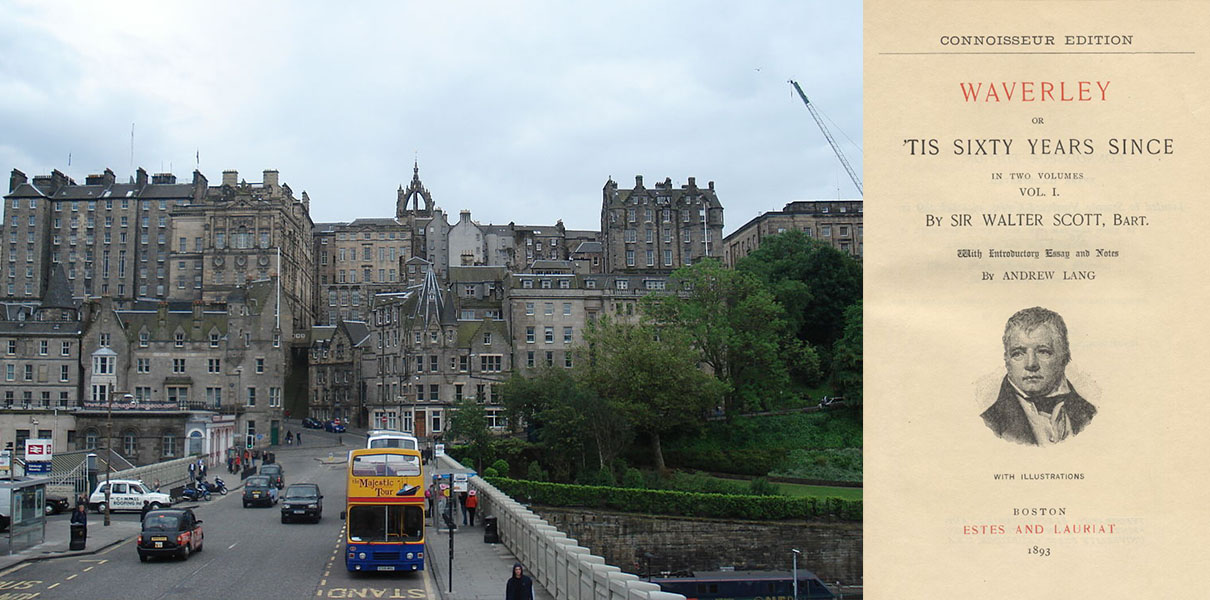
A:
x: 80, y: 516
x: 192, y: 471
x: 201, y: 468
x: 429, y: 495
x: 238, y: 467
x: 520, y: 586
x: 462, y: 505
x: 143, y: 513
x: 340, y: 439
x: 472, y: 503
x: 299, y: 438
x: 230, y: 464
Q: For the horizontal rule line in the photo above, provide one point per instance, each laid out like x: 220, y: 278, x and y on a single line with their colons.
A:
x: 1029, y: 52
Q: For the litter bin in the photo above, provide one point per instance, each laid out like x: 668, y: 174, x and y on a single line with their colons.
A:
x: 79, y: 535
x: 491, y: 531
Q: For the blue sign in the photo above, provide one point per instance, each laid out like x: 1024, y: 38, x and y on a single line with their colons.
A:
x: 37, y: 467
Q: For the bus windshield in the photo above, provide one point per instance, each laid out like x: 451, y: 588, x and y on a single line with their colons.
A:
x: 386, y: 523
x: 386, y: 465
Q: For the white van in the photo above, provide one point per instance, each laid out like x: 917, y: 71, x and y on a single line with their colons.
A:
x: 127, y: 494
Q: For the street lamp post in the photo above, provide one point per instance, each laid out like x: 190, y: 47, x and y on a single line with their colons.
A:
x: 794, y: 572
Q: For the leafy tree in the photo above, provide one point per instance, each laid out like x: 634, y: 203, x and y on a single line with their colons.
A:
x: 846, y: 357
x: 813, y: 281
x: 650, y: 377
x: 738, y: 330
x: 469, y: 424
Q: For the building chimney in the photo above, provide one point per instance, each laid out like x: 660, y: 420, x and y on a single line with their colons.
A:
x: 270, y: 179
x: 230, y: 178
x: 464, y: 216
x: 198, y: 305
x: 711, y: 186
x: 140, y: 177
x: 162, y: 312
x: 163, y: 178
x: 15, y: 179
x: 692, y: 183
x: 638, y: 181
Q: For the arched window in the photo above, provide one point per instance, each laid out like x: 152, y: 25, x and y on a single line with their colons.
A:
x: 90, y: 439
x: 130, y: 443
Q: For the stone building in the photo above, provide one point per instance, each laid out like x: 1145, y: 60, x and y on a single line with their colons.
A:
x: 356, y: 261
x: 334, y: 369
x: 239, y: 233
x: 835, y: 222
x: 209, y: 359
x: 656, y: 231
x: 430, y: 237
x: 111, y: 238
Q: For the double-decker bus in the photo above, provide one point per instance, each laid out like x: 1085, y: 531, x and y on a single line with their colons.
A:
x: 384, y: 510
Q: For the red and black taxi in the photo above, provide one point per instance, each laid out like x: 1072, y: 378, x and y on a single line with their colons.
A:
x: 170, y: 532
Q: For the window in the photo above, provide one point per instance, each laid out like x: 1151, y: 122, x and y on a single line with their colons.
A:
x: 529, y: 359
x: 490, y: 363
x: 103, y: 340
x: 260, y: 365
x: 567, y: 360
x: 487, y: 338
x: 466, y: 315
x: 169, y: 444
x: 213, y: 365
x: 29, y: 372
x: 43, y: 347
x: 630, y: 258
x: 567, y: 335
x: 434, y: 392
x: 214, y: 397
x: 567, y: 309
x: 621, y: 284
x: 548, y: 308
x: 12, y: 346
x: 433, y: 363
x: 178, y: 365
x: 144, y: 339
x: 143, y: 365
x: 529, y: 310
x: 529, y: 335
x: 550, y: 358
x: 179, y: 339
x: 214, y: 340
x: 129, y: 445
x: 64, y: 373
x: 251, y: 396
x: 178, y: 395
x: 274, y: 397
x: 550, y: 335
x: 103, y: 365
x: 667, y: 258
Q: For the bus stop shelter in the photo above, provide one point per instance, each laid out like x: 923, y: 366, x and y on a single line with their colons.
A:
x: 23, y: 511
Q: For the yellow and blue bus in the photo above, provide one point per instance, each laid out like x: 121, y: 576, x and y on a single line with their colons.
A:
x: 384, y: 510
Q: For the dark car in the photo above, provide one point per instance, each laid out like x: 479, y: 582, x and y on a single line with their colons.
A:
x: 302, y: 501
x: 275, y: 474
x: 170, y: 532
x: 56, y: 505
x: 259, y: 490
x: 310, y: 423
x: 334, y: 427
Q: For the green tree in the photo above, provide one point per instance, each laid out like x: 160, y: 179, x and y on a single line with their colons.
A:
x: 738, y: 330
x: 846, y: 357
x: 813, y: 281
x: 650, y: 377
x: 468, y: 424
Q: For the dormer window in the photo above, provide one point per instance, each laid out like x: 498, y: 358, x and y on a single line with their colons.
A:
x: 144, y: 339
x: 179, y: 339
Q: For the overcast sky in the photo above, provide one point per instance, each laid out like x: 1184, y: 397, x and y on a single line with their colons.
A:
x: 516, y: 111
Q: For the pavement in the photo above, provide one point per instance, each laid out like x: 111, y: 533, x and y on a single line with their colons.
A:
x: 480, y: 570
x: 122, y: 527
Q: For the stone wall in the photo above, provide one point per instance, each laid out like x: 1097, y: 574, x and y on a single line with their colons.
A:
x: 678, y: 544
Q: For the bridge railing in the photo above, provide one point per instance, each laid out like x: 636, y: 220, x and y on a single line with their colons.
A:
x: 567, y: 570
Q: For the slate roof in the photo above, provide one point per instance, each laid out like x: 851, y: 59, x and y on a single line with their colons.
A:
x: 58, y: 291
x: 589, y: 248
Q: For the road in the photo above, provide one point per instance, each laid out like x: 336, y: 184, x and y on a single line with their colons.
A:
x: 248, y: 552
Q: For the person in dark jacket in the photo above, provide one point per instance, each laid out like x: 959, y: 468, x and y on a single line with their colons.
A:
x: 520, y: 586
x: 146, y: 509
x: 80, y: 516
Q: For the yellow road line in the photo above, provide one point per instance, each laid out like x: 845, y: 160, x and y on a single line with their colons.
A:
x: 52, y: 586
x: 72, y: 576
x: 14, y: 569
x: 89, y: 569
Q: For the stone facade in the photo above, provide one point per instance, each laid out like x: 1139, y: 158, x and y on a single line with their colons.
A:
x: 337, y: 353
x: 831, y: 550
x: 835, y: 222
x: 356, y: 261
x: 656, y: 231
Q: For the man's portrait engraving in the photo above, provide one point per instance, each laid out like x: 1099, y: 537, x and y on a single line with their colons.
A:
x: 1037, y: 404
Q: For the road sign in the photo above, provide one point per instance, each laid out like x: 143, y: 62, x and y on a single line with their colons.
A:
x: 439, y: 450
x: 38, y: 450
x: 460, y: 482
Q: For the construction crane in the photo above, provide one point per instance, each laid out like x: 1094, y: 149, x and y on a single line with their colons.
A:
x: 827, y: 134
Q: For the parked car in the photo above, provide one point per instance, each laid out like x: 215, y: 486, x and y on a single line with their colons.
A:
x: 275, y: 474
x: 334, y: 427
x: 302, y: 501
x: 170, y: 532
x: 309, y: 423
x: 55, y: 505
x: 127, y: 494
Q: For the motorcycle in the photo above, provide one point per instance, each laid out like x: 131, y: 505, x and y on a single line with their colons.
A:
x: 218, y: 487
x: 195, y: 492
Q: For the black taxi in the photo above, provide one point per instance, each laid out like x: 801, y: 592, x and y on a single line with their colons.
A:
x: 170, y: 532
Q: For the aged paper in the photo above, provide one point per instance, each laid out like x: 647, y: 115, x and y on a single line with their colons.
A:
x: 1051, y: 155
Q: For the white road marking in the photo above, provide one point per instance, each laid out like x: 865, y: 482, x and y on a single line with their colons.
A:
x: 52, y: 586
x: 232, y: 545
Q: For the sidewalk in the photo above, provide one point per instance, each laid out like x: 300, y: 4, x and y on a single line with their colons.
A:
x: 480, y: 570
x: 58, y: 537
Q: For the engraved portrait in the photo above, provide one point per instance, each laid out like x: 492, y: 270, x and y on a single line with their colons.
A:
x: 1037, y: 404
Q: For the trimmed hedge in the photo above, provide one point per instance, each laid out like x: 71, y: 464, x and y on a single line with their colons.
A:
x: 685, y: 504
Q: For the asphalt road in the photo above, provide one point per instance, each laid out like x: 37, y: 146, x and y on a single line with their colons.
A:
x: 247, y: 553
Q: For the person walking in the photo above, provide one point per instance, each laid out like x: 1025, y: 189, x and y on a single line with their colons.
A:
x: 192, y: 471
x: 462, y: 505
x: 472, y: 503
x: 520, y: 586
x: 143, y: 513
